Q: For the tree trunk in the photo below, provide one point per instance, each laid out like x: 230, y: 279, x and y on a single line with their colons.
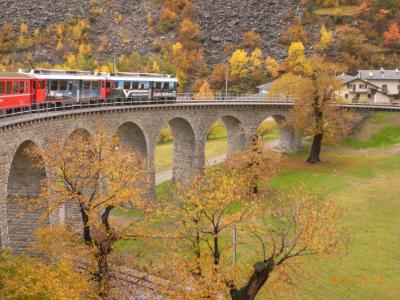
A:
x: 315, y: 149
x: 216, y: 250
x: 261, y: 273
x: 104, y: 277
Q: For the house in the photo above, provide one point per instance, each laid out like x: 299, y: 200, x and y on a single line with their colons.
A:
x: 355, y: 89
x: 387, y: 80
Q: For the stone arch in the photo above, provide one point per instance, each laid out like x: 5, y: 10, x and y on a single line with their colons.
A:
x: 289, y: 140
x: 184, y: 157
x: 25, y: 179
x: 132, y: 137
x: 72, y: 215
x: 236, y: 134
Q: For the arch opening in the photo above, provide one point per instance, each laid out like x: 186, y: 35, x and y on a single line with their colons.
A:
x: 24, y: 184
x: 131, y: 137
x: 268, y: 131
x: 175, y: 151
x: 216, y: 144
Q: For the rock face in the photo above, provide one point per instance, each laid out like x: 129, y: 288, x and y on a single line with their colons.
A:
x: 226, y: 20
x: 220, y: 21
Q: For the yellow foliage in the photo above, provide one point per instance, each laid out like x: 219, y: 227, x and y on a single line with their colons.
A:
x: 117, y: 18
x: 103, y: 43
x: 256, y: 58
x: 78, y: 29
x: 296, y: 59
x: 177, y: 48
x: 59, y: 46
x: 84, y: 49
x: 205, y: 92
x: 326, y: 38
x: 60, y: 28
x: 238, y: 63
x: 272, y: 66
x: 29, y: 278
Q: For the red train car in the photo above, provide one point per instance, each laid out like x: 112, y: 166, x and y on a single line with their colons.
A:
x: 15, y: 90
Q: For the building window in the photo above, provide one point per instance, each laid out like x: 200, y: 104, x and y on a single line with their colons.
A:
x: 384, y: 88
x: 369, y: 96
x: 346, y: 96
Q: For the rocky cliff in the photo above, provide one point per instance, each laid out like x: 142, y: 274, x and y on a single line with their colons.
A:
x: 220, y: 21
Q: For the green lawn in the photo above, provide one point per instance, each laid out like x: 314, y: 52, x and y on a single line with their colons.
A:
x: 366, y: 186
x: 380, y: 130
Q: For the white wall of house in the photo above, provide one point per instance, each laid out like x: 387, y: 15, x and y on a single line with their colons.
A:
x: 393, y: 86
x: 362, y: 91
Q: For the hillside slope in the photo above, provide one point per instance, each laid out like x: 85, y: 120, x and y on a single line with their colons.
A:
x: 220, y: 21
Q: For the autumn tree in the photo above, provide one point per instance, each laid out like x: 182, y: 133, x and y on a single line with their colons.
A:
x: 392, y: 35
x: 247, y: 70
x: 295, y: 33
x: 312, y: 85
x: 95, y: 175
x: 277, y: 232
x: 325, y: 39
x: 205, y: 92
x: 23, y: 277
x: 251, y: 40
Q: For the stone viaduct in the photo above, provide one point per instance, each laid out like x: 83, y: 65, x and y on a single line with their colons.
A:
x: 137, y: 127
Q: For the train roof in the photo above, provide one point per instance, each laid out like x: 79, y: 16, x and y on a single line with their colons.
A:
x: 88, y: 75
x: 14, y: 75
x: 140, y: 77
x: 62, y: 74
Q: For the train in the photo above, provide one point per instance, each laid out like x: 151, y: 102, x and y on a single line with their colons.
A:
x: 46, y: 87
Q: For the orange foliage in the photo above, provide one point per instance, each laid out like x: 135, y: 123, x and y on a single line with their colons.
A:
x: 251, y: 40
x: 392, y: 36
x: 168, y: 16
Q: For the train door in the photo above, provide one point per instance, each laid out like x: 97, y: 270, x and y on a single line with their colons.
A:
x: 74, y: 85
x: 39, y: 90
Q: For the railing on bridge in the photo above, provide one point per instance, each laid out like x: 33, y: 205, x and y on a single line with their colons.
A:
x: 182, y: 99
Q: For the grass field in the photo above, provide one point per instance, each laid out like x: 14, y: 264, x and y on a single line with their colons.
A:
x: 363, y: 177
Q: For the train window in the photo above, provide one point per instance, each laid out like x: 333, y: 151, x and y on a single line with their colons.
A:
x: 95, y: 85
x: 21, y: 87
x: 158, y: 85
x: 15, y: 87
x: 70, y: 85
x: 63, y: 85
x: 108, y: 84
x: 86, y: 85
x: 8, y: 87
x: 166, y: 85
x: 135, y: 85
x: 53, y: 85
x: 127, y: 85
x: 2, y: 90
x: 26, y: 87
x: 41, y: 84
x: 172, y: 85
